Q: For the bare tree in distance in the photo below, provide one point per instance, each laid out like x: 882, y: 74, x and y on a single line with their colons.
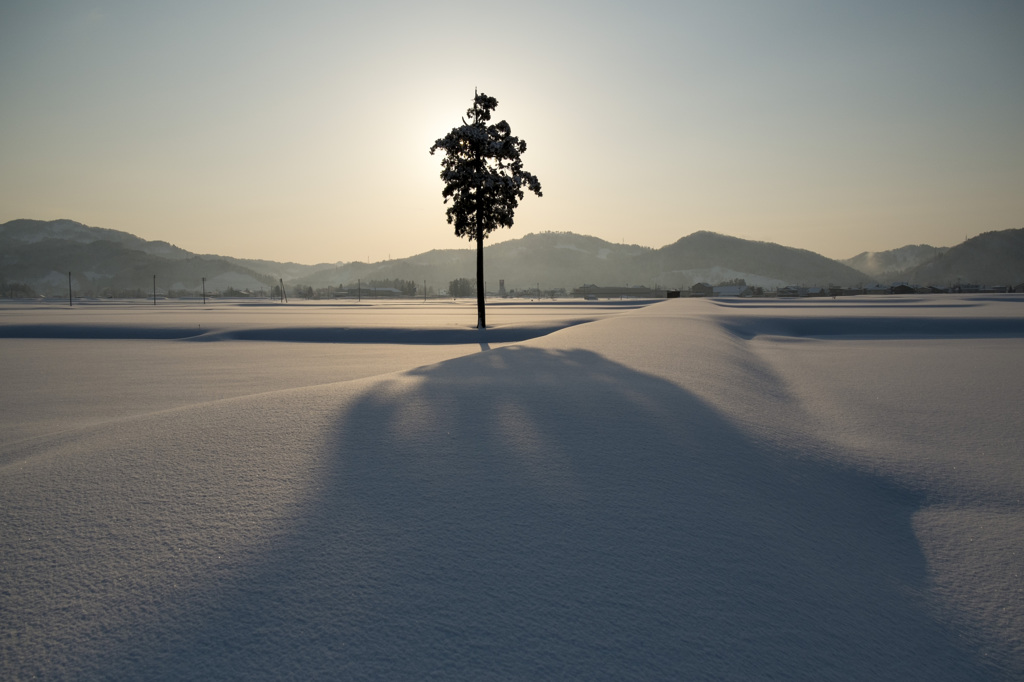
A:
x: 484, y: 179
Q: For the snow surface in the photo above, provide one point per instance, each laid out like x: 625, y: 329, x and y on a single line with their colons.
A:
x: 693, y: 489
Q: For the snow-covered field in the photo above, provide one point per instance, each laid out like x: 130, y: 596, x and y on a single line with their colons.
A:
x: 691, y: 489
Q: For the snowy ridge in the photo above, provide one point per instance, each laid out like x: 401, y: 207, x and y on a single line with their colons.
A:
x: 650, y: 494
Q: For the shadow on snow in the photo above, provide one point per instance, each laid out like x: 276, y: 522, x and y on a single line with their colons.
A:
x: 524, y: 513
x: 337, y: 334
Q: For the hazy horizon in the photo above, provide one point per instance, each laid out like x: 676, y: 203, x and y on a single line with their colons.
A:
x: 301, y: 133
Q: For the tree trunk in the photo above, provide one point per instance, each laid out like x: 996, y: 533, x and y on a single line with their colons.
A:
x: 481, y: 317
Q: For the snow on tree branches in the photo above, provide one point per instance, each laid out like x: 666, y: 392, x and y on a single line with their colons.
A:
x: 483, y: 177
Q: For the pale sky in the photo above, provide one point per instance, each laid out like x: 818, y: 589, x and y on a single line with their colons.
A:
x: 299, y: 131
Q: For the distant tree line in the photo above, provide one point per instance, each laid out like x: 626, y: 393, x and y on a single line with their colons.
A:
x: 16, y: 290
x: 406, y: 286
x: 462, y: 288
x: 403, y: 287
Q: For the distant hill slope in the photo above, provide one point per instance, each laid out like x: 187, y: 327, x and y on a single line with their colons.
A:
x: 568, y: 260
x: 893, y: 265
x: 765, y: 260
x: 34, y: 231
x: 289, y: 272
x: 991, y: 258
x: 551, y: 259
x: 108, y: 262
x: 41, y: 253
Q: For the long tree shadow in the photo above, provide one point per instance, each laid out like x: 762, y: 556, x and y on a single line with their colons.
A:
x: 524, y: 514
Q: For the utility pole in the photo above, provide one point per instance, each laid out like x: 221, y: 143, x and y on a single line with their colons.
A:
x: 204, y: 291
x: 70, y: 303
x: 154, y: 289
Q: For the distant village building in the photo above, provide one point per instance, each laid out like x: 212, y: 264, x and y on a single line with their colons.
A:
x: 702, y: 289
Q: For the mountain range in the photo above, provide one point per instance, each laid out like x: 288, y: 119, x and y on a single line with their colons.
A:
x: 36, y: 257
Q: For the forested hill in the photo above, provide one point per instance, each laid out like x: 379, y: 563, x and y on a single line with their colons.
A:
x: 761, y: 263
x: 991, y: 258
x: 896, y: 264
x: 37, y: 255
x: 567, y: 260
